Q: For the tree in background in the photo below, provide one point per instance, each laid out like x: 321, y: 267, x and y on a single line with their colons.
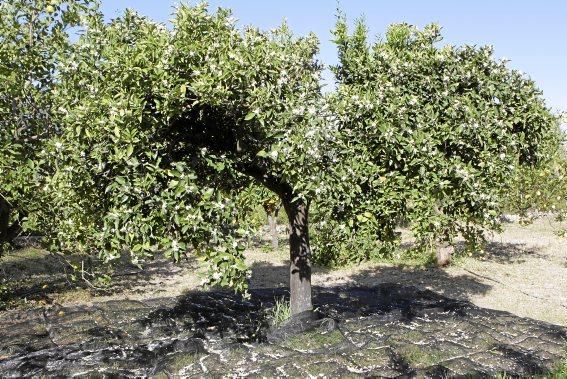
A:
x: 248, y: 200
x: 426, y: 135
x: 33, y: 36
x: 540, y: 189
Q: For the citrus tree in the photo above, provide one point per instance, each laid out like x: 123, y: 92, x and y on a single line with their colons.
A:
x: 540, y: 189
x: 155, y: 129
x: 33, y: 35
x: 427, y: 135
x: 249, y: 199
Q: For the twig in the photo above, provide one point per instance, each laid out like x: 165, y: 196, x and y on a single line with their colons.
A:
x: 86, y: 280
x: 6, y: 200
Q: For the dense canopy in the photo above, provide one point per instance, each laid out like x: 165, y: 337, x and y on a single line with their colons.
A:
x: 428, y: 134
x: 142, y: 136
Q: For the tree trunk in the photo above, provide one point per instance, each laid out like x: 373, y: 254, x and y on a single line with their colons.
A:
x: 300, y: 257
x: 7, y: 232
x: 4, y: 220
x: 273, y: 223
x: 443, y: 254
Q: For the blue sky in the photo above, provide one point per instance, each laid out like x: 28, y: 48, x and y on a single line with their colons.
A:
x: 531, y: 34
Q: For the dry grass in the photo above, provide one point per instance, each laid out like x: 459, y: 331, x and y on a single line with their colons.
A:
x: 524, y: 271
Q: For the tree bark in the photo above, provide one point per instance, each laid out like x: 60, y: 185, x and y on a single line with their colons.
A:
x: 443, y: 254
x: 273, y: 224
x: 7, y: 232
x: 4, y: 220
x: 300, y: 257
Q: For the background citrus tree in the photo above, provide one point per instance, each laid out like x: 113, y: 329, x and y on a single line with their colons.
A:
x: 252, y: 197
x: 540, y: 189
x: 428, y: 136
x: 34, y: 35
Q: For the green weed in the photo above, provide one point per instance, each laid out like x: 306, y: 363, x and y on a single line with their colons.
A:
x: 280, y: 312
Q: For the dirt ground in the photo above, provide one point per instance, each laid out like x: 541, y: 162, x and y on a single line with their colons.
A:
x: 524, y: 271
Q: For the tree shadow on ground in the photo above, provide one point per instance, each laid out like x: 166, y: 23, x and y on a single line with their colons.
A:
x: 505, y: 252
x: 229, y: 316
x: 494, y: 251
x: 214, y: 330
x: 460, y: 287
x: 34, y: 274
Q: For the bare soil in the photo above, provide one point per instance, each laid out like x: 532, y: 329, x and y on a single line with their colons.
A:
x: 523, y: 271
